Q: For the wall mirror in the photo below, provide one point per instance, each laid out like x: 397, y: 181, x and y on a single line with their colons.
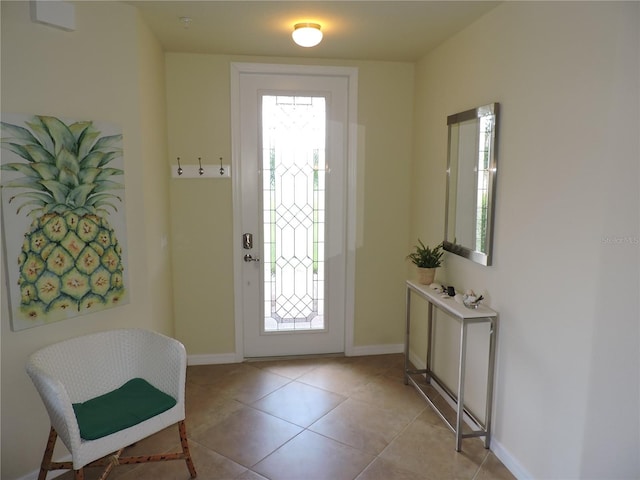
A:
x: 471, y: 182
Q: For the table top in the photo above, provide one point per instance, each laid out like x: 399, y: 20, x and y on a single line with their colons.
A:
x: 450, y: 305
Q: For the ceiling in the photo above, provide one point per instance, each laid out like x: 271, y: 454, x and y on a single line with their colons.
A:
x: 357, y: 30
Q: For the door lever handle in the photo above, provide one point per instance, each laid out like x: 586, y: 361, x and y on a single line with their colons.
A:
x: 249, y: 258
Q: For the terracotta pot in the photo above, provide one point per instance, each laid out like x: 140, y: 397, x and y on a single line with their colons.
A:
x: 426, y: 275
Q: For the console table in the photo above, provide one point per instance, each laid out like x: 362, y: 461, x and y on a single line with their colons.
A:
x: 464, y: 316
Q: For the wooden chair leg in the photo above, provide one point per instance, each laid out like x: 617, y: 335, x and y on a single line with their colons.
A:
x: 45, y: 466
x: 185, y: 449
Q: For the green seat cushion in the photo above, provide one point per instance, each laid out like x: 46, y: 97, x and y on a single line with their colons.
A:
x: 132, y: 403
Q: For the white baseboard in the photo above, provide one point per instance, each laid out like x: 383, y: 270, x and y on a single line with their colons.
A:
x: 220, y: 358
x: 376, y: 350
x: 509, y: 461
x: 30, y: 476
x: 51, y: 475
x: 213, y: 359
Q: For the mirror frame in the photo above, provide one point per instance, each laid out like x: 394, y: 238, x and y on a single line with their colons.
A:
x: 449, y: 244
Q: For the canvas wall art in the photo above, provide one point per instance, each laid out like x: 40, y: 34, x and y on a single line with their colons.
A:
x: 63, y: 217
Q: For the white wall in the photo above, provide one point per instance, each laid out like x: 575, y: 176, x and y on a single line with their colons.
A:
x: 99, y: 73
x: 565, y: 279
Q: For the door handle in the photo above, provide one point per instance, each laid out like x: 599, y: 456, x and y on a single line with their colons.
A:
x: 249, y: 258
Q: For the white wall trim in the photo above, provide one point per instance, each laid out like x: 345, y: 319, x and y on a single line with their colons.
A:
x: 51, y: 475
x: 509, y: 461
x: 213, y: 359
x: 235, y: 71
x: 358, y: 351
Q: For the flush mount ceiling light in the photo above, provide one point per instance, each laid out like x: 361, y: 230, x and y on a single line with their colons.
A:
x: 307, y: 34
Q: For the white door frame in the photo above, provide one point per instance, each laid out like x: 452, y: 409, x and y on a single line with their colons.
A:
x: 351, y: 73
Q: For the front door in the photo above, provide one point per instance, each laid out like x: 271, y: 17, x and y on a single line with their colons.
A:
x: 291, y: 167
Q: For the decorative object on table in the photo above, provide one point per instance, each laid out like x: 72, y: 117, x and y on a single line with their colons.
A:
x: 427, y: 259
x: 64, y: 257
x: 471, y: 300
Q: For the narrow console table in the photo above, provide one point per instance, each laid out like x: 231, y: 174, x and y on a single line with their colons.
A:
x: 465, y: 316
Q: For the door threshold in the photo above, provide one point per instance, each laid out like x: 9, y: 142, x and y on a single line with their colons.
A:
x: 294, y: 357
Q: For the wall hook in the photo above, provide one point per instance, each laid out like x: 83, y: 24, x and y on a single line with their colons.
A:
x: 221, y: 167
x: 179, y: 167
x: 200, y: 170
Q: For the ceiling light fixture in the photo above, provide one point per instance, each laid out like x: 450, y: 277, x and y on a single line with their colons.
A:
x: 307, y: 34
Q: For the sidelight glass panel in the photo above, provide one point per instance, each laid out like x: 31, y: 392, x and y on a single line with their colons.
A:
x: 293, y: 202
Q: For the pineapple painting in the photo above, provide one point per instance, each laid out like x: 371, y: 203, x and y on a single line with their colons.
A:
x: 60, y: 185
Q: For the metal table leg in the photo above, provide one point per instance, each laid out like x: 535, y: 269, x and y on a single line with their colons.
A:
x: 461, y: 371
x: 407, y: 336
x: 490, y: 376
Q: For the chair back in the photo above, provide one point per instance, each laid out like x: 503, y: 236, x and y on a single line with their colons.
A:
x: 82, y: 368
x: 94, y: 364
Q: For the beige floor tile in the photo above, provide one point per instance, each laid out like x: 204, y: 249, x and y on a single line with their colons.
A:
x: 292, y: 368
x: 167, y: 440
x: 428, y: 415
x: 445, y: 409
x: 249, y: 475
x: 361, y: 425
x: 207, y: 405
x: 310, y: 456
x: 211, y: 374
x: 250, y: 384
x: 327, y: 418
x: 299, y: 403
x: 336, y: 378
x: 493, y: 469
x: 89, y: 474
x: 391, y: 394
x: 247, y: 435
x: 242, y: 381
x: 382, y: 470
x: 209, y: 465
x: 376, y: 364
x: 425, y: 448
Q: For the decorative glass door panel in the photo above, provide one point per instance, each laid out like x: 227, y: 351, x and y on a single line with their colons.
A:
x: 293, y: 137
x: 291, y: 142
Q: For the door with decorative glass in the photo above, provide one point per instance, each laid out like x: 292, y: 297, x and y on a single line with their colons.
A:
x: 292, y: 174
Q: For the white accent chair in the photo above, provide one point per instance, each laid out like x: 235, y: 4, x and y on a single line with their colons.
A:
x: 83, y: 368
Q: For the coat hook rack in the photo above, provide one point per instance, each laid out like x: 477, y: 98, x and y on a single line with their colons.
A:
x: 199, y: 170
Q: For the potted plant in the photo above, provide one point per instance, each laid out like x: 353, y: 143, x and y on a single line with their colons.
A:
x: 427, y: 260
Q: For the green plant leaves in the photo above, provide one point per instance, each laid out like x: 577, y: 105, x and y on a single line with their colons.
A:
x: 426, y: 257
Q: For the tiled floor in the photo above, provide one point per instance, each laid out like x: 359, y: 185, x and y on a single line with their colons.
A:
x: 311, y: 419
